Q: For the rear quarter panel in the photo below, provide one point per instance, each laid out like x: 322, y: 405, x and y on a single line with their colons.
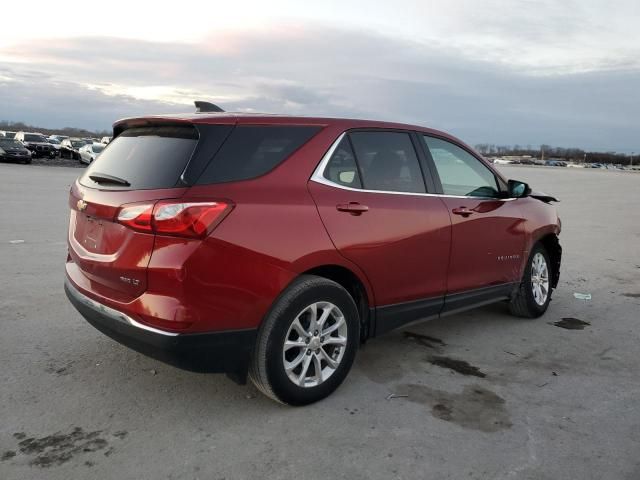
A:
x: 273, y: 234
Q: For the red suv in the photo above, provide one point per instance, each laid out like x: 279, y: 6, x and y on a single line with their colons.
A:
x: 272, y: 246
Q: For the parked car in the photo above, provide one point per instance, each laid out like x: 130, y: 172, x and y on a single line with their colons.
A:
x: 105, y: 140
x: 37, y: 143
x: 11, y: 150
x: 88, y: 153
x: 56, y: 144
x: 69, y: 148
x: 59, y: 138
x: 272, y: 246
x: 7, y: 134
x: 500, y: 161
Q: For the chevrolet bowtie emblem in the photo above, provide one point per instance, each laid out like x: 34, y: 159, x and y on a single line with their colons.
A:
x: 81, y: 205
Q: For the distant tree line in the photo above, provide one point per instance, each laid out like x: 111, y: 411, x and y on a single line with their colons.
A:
x: 68, y: 131
x: 570, y: 154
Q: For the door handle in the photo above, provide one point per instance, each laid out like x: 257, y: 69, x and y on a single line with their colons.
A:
x: 354, y: 208
x: 464, y: 211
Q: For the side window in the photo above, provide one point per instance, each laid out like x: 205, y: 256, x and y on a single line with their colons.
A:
x: 342, y: 168
x: 253, y: 150
x: 460, y: 172
x: 388, y: 162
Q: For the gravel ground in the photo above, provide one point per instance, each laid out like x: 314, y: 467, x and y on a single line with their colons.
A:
x: 481, y: 395
x: 57, y: 162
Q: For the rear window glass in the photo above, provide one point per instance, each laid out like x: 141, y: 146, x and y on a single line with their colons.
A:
x: 251, y: 151
x: 146, y: 157
x: 342, y: 168
x: 388, y: 162
x: 31, y: 137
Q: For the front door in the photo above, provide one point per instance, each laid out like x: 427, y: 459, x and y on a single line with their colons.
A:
x: 488, y: 237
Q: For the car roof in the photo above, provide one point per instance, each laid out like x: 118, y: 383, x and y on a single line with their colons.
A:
x: 276, y: 119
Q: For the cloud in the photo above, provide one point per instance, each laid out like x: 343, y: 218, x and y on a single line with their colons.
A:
x: 300, y: 68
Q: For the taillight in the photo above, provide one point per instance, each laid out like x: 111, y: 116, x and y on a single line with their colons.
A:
x: 137, y: 216
x: 170, y: 217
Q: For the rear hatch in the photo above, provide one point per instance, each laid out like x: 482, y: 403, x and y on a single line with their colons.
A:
x: 137, y: 190
x: 140, y: 166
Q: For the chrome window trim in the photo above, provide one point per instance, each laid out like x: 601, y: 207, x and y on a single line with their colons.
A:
x: 114, y: 314
x: 318, y: 177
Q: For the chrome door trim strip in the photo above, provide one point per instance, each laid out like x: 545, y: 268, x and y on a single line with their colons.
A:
x: 318, y: 177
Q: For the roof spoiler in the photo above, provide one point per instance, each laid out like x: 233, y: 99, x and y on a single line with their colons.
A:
x: 202, y: 107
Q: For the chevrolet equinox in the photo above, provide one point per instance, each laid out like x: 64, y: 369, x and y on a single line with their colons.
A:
x: 271, y: 247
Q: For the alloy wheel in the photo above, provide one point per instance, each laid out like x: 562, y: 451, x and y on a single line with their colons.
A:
x: 539, y: 279
x: 315, y: 344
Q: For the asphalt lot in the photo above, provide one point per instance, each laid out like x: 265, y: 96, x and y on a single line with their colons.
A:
x: 555, y: 403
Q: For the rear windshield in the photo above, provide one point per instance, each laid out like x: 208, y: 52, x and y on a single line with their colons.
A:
x: 9, y: 142
x: 253, y: 150
x: 32, y: 137
x: 145, y: 157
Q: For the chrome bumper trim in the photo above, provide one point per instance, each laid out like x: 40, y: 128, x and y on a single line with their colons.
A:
x: 112, y: 313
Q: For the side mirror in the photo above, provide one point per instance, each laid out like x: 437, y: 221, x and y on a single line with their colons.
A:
x: 518, y: 189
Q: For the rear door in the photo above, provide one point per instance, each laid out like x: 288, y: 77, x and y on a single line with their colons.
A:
x: 142, y: 164
x: 372, y: 199
x: 488, y: 235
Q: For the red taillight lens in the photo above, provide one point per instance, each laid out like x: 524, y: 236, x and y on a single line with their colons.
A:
x: 137, y: 216
x: 169, y: 217
x: 192, y: 219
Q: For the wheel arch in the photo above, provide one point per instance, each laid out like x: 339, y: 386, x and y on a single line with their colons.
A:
x: 551, y: 243
x: 356, y: 287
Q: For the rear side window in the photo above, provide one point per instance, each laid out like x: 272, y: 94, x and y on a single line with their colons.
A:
x: 388, y: 162
x: 252, y: 150
x: 146, y: 157
x: 342, y: 168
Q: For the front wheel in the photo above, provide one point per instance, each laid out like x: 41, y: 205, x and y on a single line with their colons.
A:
x: 307, y: 343
x: 532, y: 298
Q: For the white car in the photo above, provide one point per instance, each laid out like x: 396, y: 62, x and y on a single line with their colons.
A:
x: 90, y: 152
x: 105, y: 140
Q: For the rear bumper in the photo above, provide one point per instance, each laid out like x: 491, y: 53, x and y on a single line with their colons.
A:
x: 217, y: 352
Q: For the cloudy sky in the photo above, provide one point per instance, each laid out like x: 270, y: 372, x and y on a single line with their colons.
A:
x: 565, y: 73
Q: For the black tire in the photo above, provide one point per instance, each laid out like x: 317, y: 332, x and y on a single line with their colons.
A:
x: 267, y: 369
x: 523, y: 303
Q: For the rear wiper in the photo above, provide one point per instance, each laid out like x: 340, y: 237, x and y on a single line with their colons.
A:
x: 110, y: 179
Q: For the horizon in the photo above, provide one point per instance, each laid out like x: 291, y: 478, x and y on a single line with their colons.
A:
x: 529, y: 147
x: 564, y: 75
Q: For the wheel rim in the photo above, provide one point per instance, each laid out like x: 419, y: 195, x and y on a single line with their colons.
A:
x: 539, y: 279
x: 315, y: 344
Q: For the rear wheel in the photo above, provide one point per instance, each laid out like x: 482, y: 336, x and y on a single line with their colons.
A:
x: 534, y: 293
x: 307, y: 342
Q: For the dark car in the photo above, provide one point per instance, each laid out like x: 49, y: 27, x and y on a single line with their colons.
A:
x: 273, y: 246
x: 70, y: 148
x: 11, y: 150
x: 37, y: 143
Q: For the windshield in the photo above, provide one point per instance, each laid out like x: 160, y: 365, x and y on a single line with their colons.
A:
x: 97, y: 148
x: 78, y: 143
x: 9, y: 142
x: 54, y: 141
x: 33, y: 137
